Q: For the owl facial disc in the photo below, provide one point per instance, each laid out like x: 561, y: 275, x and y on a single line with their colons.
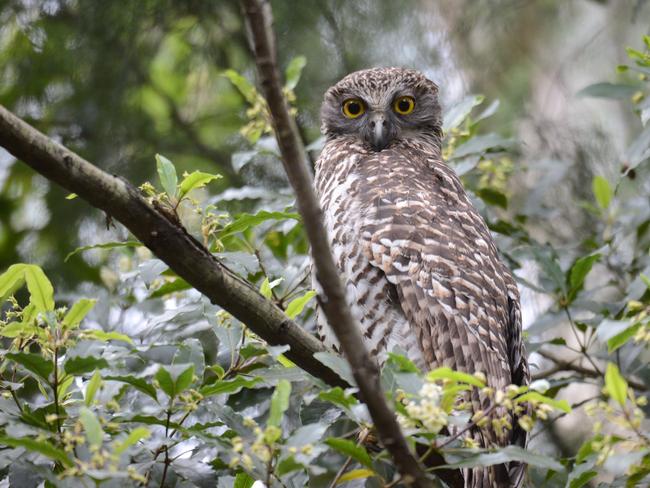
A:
x: 381, y: 107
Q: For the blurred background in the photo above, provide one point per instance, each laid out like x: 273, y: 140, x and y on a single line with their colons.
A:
x: 118, y: 82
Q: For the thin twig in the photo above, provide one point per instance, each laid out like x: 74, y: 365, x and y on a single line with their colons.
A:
x: 55, y: 387
x: 468, y: 426
x: 583, y: 349
x: 266, y: 275
x: 166, y: 468
x: 549, y: 424
x: 340, y: 472
x: 564, y: 365
x: 362, y: 438
x: 294, y: 289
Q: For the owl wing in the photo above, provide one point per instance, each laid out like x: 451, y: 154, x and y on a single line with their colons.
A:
x: 461, y: 301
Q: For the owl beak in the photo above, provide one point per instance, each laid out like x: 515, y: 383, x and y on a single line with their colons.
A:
x: 379, y: 133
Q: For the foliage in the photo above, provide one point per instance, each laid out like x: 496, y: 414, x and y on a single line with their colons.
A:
x: 96, y: 405
x: 141, y: 381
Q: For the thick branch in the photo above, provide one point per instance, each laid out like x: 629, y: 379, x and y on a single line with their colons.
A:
x: 364, y: 368
x: 168, y: 240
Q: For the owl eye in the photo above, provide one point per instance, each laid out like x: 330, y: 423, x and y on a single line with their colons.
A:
x: 404, y: 105
x: 353, y: 108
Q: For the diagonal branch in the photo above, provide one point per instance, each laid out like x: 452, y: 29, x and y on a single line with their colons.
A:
x: 167, y: 239
x: 365, y: 369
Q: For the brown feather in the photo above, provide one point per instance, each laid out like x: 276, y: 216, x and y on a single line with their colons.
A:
x: 402, y: 226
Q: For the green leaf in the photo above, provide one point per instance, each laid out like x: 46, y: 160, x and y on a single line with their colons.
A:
x: 266, y: 287
x: 337, y: 364
x: 245, y: 221
x: 288, y: 465
x: 179, y: 284
x: 608, y: 90
x: 251, y: 350
x: 481, y: 145
x: 622, y: 338
x: 101, y: 335
x: 149, y: 420
x: 450, y: 395
x: 579, y: 272
x: 645, y: 280
x: 91, y: 388
x: 587, y: 448
x: 139, y: 384
x: 242, y: 84
x: 79, y: 365
x: 105, y: 245
x: 16, y: 329
x: 581, y: 475
x: 41, y: 447
x: 217, y: 370
x: 538, y: 397
x: 62, y: 387
x: 446, y: 373
x: 615, y: 384
x: 41, y: 293
x: 459, y: 112
x: 77, y: 313
x: 404, y: 364
x: 35, y: 363
x: 184, y: 380
x: 71, y: 196
x: 355, y: 474
x: 167, y: 175
x: 29, y: 313
x: 293, y: 71
x: 196, y: 179
x: 547, y: 259
x: 279, y: 402
x: 11, y: 280
x: 635, y: 54
x: 602, y: 191
x: 350, y: 449
x: 243, y: 480
x: 493, y: 197
x: 297, y: 305
x: 337, y: 396
x: 134, y: 436
x: 175, y: 379
x: 639, y: 150
x: 229, y: 386
x: 285, y: 361
x: 166, y: 382
x: 94, y: 431
x: 308, y: 434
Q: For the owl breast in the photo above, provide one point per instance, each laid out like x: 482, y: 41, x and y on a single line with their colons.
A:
x: 372, y: 298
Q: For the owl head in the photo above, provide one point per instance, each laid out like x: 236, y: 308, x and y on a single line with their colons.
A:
x: 382, y: 105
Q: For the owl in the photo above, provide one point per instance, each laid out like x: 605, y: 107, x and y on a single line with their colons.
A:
x: 419, y: 266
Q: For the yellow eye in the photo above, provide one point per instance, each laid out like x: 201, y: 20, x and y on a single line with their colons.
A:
x: 353, y: 108
x: 404, y: 105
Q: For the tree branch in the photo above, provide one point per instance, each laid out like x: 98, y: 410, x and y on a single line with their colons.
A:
x: 168, y: 240
x: 561, y: 364
x: 364, y: 368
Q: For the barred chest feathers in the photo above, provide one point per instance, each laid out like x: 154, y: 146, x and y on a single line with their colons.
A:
x: 372, y: 298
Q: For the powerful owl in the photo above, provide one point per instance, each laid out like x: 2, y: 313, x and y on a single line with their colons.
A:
x: 420, y: 268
